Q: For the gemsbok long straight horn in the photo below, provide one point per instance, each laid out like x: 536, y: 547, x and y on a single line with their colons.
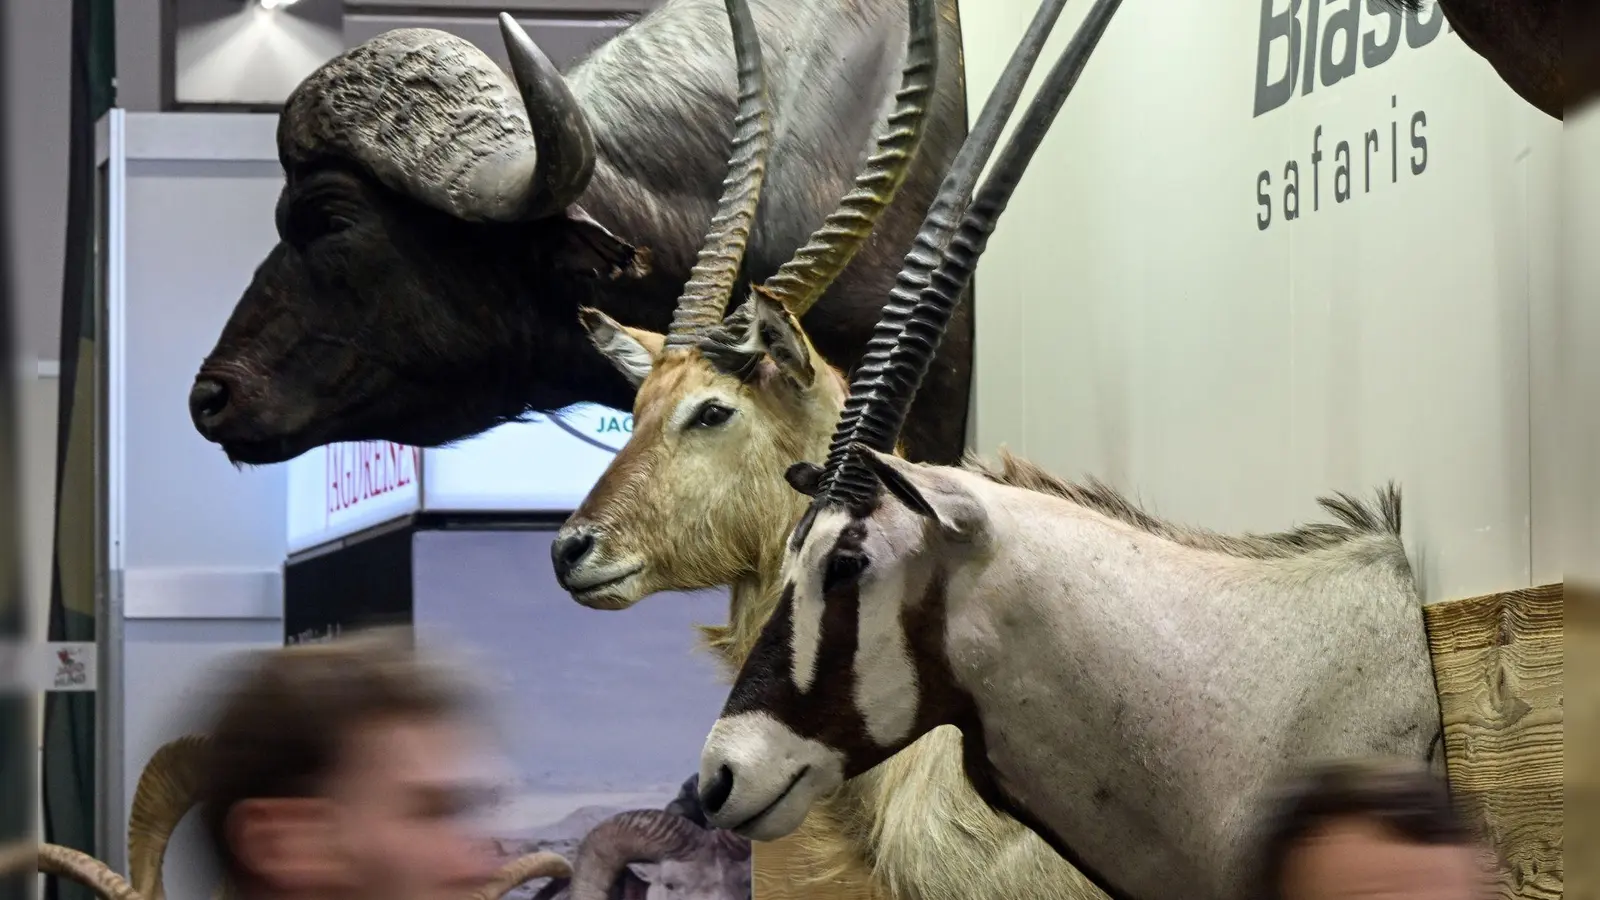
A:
x: 913, y: 321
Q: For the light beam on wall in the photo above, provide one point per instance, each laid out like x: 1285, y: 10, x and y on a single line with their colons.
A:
x: 251, y: 53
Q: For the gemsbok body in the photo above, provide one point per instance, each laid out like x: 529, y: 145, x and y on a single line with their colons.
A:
x: 1125, y: 686
x: 696, y: 500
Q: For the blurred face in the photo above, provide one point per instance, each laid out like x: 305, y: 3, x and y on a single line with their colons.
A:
x: 402, y: 819
x: 1358, y: 859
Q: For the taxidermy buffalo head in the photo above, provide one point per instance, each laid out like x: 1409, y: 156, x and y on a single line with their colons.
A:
x: 426, y: 195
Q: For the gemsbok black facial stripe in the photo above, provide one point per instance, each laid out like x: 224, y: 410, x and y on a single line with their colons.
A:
x: 827, y: 711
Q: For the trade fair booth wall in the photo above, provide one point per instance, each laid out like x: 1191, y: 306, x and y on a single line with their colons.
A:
x: 1268, y: 251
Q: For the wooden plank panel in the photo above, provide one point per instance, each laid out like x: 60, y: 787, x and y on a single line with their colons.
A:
x: 1497, y: 661
x: 1582, y: 626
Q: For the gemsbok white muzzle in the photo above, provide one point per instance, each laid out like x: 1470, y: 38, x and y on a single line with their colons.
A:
x: 759, y: 779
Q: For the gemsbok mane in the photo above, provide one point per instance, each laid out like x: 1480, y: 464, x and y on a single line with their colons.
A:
x: 696, y: 499
x: 1357, y: 519
x: 1126, y: 687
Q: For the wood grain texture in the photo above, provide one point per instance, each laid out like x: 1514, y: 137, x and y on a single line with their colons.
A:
x: 1582, y: 676
x: 1497, y: 662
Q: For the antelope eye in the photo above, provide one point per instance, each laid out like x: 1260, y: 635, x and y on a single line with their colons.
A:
x: 842, y: 568
x: 711, y: 415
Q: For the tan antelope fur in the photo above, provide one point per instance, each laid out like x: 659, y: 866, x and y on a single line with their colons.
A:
x: 1126, y: 687
x: 695, y: 500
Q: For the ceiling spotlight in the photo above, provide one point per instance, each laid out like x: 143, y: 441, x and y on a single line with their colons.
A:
x: 274, y: 4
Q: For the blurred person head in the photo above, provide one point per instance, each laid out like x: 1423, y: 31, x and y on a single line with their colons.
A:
x: 1360, y: 829
x: 349, y: 770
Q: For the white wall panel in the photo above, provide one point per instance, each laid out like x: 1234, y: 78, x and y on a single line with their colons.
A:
x: 563, y: 40
x: 1139, y: 323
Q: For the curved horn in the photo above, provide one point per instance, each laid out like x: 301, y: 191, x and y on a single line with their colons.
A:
x: 64, y: 862
x: 731, y: 844
x: 168, y: 788
x: 643, y: 835
x: 887, y: 381
x: 801, y: 281
x: 431, y: 116
x: 711, y: 281
x: 520, y: 871
x: 563, y: 141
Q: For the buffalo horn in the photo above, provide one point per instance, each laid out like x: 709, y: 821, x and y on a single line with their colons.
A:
x: 801, y: 281
x: 887, y: 382
x: 431, y: 116
x: 705, y: 296
x: 563, y: 142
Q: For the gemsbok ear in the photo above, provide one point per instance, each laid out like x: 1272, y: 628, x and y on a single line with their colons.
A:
x: 804, y: 477
x: 959, y: 514
x: 631, y: 350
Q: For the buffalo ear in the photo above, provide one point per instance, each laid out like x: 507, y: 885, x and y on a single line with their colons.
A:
x: 632, y: 350
x: 585, y: 246
x: 804, y: 477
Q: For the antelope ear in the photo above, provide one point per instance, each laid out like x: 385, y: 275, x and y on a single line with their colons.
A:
x: 959, y: 513
x: 776, y: 332
x: 631, y: 350
x: 804, y: 477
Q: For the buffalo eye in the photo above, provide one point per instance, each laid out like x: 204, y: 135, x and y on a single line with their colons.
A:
x: 711, y: 415
x: 310, y: 222
x: 842, y: 568
x: 321, y: 205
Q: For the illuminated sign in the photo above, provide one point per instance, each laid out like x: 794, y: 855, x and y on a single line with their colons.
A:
x: 545, y: 464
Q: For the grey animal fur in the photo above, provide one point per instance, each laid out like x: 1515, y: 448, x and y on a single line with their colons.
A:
x: 1126, y: 686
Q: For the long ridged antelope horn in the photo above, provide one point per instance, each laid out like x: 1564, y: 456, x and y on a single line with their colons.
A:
x: 705, y: 296
x: 801, y: 281
x: 521, y: 870
x: 168, y: 788
x: 887, y: 382
x: 64, y: 862
x: 939, y: 225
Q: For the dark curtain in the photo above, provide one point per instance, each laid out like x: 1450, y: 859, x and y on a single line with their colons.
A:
x: 70, y: 740
x: 18, y: 783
